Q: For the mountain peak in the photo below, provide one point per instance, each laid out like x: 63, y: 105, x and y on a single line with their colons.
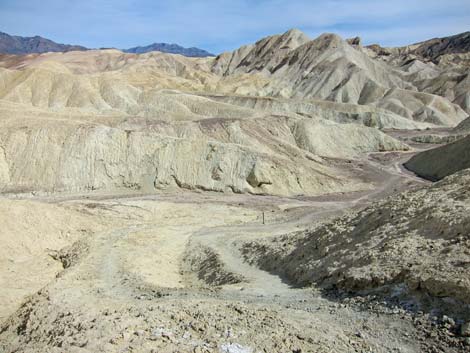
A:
x: 294, y: 38
x: 329, y: 37
x: 37, y: 44
x: 169, y: 48
x: 26, y: 45
x: 354, y: 41
x: 294, y: 32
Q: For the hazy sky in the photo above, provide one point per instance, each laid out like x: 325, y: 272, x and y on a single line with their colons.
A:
x: 226, y: 24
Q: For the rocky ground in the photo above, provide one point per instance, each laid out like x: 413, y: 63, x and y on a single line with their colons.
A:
x: 166, y: 273
x: 251, y: 202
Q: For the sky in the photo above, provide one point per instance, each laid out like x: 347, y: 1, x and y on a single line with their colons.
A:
x: 224, y: 25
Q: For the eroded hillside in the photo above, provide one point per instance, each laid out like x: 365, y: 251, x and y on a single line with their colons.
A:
x: 263, y: 119
x: 251, y: 202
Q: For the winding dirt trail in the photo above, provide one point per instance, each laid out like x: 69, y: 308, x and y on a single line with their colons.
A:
x: 172, y: 263
x: 223, y: 240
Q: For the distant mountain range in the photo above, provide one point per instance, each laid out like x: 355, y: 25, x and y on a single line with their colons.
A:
x: 169, y: 48
x: 27, y: 45
x: 427, y: 50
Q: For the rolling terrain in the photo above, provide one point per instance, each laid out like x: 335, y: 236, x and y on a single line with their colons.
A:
x: 255, y: 201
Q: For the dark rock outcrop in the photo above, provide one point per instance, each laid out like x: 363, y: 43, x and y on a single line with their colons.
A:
x: 27, y: 45
x: 171, y: 49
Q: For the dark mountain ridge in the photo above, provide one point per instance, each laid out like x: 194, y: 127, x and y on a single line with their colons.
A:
x: 27, y: 45
x: 169, y: 48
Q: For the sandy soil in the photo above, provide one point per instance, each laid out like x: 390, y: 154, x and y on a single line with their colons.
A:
x: 163, y: 273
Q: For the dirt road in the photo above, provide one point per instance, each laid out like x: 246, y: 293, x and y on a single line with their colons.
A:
x: 169, y: 277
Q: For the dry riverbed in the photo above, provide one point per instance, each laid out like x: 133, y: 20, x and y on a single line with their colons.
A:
x: 164, y: 273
